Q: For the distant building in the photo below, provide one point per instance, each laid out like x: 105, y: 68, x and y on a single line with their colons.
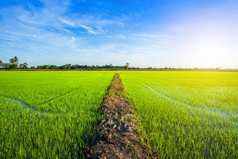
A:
x: 21, y: 66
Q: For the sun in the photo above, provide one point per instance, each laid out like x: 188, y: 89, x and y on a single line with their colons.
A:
x: 209, y: 50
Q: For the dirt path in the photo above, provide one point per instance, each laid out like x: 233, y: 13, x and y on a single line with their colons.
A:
x: 117, y: 135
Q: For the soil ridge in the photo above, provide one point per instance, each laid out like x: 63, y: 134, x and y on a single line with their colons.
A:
x: 117, y: 134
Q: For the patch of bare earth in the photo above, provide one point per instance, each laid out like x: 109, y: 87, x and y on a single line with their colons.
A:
x: 117, y: 134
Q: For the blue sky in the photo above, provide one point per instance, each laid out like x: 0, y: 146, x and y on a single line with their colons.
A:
x: 157, y: 33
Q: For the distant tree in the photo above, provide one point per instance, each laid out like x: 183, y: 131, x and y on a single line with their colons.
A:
x: 11, y: 61
x: 74, y: 66
x: 14, y: 63
x: 15, y: 60
x: 63, y: 67
x: 45, y: 66
x: 39, y: 67
x: 1, y: 63
x: 6, y: 65
x: 53, y: 67
x: 32, y: 67
x: 127, y: 65
x: 13, y: 66
x: 66, y: 66
x: 25, y: 65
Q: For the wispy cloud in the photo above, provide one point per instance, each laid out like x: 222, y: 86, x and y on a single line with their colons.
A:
x: 63, y: 30
x: 6, y: 32
x: 98, y: 29
x: 89, y: 29
x: 66, y: 21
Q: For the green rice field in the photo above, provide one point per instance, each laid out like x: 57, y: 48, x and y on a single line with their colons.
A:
x: 49, y: 114
x: 187, y: 114
x: 184, y: 114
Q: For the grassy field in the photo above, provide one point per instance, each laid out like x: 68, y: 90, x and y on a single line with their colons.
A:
x: 184, y: 114
x: 49, y: 114
x: 187, y: 114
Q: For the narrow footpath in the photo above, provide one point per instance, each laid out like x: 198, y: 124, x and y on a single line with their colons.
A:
x: 117, y: 135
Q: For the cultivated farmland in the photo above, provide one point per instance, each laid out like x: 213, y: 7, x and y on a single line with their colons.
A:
x: 49, y: 114
x: 183, y: 114
x: 187, y: 114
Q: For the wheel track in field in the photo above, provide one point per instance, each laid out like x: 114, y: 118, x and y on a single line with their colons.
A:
x: 23, y: 104
x: 33, y: 109
x: 210, y: 110
x: 56, y: 97
x: 193, y: 107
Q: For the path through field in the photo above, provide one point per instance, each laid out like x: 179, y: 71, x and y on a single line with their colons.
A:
x: 117, y: 134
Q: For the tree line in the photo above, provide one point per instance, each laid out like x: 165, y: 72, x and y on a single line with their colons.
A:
x: 13, y: 64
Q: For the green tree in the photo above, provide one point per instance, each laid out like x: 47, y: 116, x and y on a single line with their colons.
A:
x: 127, y: 65
x: 11, y: 61
x: 39, y: 67
x: 1, y: 63
x: 13, y: 64
x: 25, y: 65
x: 66, y: 66
x: 6, y: 65
x: 15, y: 60
x: 53, y: 67
x: 45, y: 67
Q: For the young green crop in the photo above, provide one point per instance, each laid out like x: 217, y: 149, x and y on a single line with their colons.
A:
x: 187, y: 114
x: 49, y: 114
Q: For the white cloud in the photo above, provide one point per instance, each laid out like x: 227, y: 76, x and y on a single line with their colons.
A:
x: 100, y: 30
x: 17, y: 34
x: 89, y: 29
x: 63, y: 30
x: 66, y: 21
